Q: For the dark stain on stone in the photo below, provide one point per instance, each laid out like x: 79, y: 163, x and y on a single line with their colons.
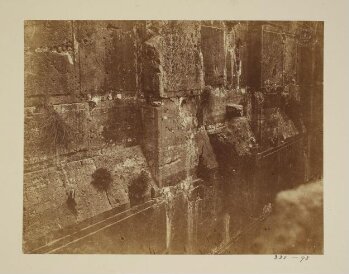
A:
x: 71, y: 203
x: 138, y: 188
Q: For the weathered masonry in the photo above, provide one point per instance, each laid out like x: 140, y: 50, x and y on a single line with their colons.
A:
x: 165, y: 136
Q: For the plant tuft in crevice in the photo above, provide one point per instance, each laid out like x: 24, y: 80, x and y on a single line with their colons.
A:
x: 55, y: 131
x: 102, y: 179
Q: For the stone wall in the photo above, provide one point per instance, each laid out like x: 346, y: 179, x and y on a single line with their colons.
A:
x: 81, y: 115
x: 183, y: 107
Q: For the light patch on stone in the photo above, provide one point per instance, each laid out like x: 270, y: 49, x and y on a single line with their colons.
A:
x: 129, y: 162
x: 66, y: 53
x: 96, y: 99
x: 76, y: 46
x: 70, y: 59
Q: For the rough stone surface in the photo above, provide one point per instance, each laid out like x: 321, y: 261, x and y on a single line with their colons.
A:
x: 45, y: 207
x: 173, y: 64
x: 149, y: 98
x: 272, y: 58
x: 89, y: 200
x: 276, y: 128
x: 175, y: 127
x: 109, y: 123
x: 206, y: 153
x: 236, y: 140
x: 234, y: 110
x: 108, y: 57
x: 41, y: 143
x: 214, y: 105
x: 290, y: 62
x: 236, y: 54
x: 213, y: 51
x: 90, y: 37
x: 46, y: 191
x: 49, y: 57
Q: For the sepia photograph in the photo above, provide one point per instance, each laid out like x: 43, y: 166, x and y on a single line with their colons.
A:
x: 173, y: 137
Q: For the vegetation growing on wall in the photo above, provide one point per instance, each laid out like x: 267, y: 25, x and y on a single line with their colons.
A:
x: 56, y: 132
x: 101, y: 179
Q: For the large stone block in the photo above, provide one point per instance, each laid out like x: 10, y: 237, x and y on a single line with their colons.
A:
x: 122, y: 57
x: 213, y: 50
x: 47, y: 33
x: 45, y: 207
x: 214, y: 105
x: 125, y: 165
x: 172, y: 64
x: 172, y: 151
x: 290, y: 60
x: 55, y: 131
x: 50, y: 58
x: 113, y: 122
x: 108, y: 55
x: 234, y: 143
x: 236, y: 54
x: 58, y: 197
x: 49, y: 73
x: 67, y: 129
x: 272, y: 57
x: 276, y: 128
x: 90, y: 201
x: 265, y: 56
x: 90, y: 37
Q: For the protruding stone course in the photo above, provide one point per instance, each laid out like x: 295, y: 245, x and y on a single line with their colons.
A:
x: 234, y: 110
x: 236, y: 141
x: 175, y: 125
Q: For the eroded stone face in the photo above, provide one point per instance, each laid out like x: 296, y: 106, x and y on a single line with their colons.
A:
x: 272, y: 58
x: 50, y: 62
x: 180, y: 101
x: 107, y: 52
x: 175, y: 123
x: 213, y: 51
x: 47, y: 191
x: 172, y: 59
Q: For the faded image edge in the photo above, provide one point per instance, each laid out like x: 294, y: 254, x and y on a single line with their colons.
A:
x: 173, y: 137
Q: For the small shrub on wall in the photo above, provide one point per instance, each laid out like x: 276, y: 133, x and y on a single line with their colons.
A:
x: 101, y: 179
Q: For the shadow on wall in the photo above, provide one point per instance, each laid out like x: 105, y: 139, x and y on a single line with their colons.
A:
x: 138, y: 188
